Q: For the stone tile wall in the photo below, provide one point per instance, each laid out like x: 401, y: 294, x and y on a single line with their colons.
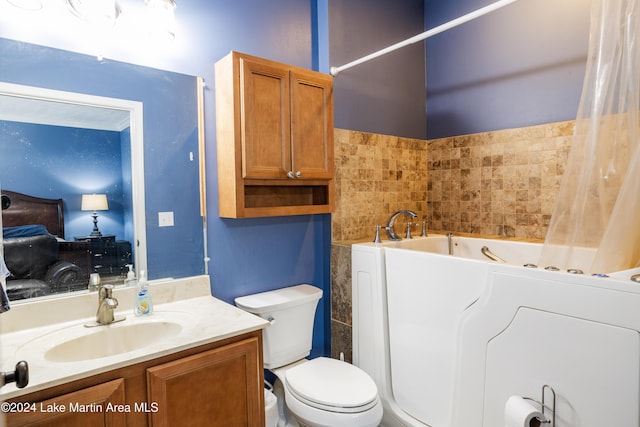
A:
x: 341, y: 301
x: 376, y: 175
x: 497, y: 183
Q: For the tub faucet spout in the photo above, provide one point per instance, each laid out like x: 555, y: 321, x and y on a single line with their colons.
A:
x: 391, y: 233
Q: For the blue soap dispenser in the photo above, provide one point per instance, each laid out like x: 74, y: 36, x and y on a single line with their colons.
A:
x: 144, y: 304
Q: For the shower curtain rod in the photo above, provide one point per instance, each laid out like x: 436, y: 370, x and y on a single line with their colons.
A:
x: 422, y: 36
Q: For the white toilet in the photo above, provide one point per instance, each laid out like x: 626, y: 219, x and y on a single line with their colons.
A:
x: 321, y: 392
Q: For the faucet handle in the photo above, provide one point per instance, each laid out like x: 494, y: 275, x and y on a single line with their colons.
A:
x: 376, y: 239
x: 108, y: 289
x: 424, y: 229
x: 409, y: 225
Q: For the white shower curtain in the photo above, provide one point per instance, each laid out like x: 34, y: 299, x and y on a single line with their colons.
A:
x: 595, y: 225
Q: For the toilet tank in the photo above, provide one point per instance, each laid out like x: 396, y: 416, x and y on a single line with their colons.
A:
x: 291, y: 312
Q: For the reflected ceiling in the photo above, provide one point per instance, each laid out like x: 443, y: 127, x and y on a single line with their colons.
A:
x: 28, y: 110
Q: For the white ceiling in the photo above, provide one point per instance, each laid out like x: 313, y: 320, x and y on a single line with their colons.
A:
x: 29, y: 110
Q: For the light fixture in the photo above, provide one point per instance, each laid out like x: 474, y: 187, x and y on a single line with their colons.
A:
x: 26, y: 4
x: 160, y: 19
x: 94, y: 202
x: 95, y: 12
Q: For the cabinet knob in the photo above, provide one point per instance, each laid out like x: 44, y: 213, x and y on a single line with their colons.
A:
x: 20, y: 375
x: 294, y: 175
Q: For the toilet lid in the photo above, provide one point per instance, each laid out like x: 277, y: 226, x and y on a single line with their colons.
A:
x: 333, y: 385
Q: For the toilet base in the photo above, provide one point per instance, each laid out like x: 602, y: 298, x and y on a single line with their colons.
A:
x: 285, y: 417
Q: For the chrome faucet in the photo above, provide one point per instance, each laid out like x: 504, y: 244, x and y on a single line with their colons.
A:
x: 106, y: 305
x: 391, y: 233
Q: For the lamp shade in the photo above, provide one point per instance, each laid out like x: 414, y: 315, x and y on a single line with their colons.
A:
x: 94, y: 202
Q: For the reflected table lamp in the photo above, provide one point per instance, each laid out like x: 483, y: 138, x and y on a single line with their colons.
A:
x: 95, y: 203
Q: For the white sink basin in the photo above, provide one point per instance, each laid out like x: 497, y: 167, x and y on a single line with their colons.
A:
x: 107, y: 341
x: 77, y: 343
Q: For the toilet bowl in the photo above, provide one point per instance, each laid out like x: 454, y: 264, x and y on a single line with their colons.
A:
x: 320, y: 392
x: 325, y: 392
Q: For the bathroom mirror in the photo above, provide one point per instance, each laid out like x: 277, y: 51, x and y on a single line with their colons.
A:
x: 79, y: 145
x: 154, y: 204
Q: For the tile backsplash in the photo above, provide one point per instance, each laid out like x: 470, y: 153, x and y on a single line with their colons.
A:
x: 500, y: 183
x: 376, y: 175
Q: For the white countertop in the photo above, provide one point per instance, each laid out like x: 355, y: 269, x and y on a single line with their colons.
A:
x: 28, y: 330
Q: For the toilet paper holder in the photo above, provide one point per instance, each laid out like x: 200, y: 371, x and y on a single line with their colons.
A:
x: 543, y: 406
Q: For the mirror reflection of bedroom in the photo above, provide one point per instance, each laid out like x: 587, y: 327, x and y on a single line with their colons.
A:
x: 66, y: 196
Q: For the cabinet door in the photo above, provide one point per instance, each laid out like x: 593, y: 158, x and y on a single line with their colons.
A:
x: 100, y: 405
x: 220, y: 387
x: 312, y: 124
x: 265, y: 112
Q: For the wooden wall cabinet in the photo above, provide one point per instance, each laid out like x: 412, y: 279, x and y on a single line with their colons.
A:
x: 218, y: 385
x: 274, y: 131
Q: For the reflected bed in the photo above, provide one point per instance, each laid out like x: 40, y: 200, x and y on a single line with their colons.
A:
x: 41, y: 262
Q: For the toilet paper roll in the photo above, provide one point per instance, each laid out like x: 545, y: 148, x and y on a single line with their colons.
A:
x: 520, y: 412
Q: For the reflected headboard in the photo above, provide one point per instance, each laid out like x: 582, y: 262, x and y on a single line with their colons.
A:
x: 27, y: 210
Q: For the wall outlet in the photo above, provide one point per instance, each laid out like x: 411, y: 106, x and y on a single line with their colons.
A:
x: 165, y: 219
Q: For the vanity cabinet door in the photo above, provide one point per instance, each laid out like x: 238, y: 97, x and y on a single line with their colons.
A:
x: 94, y: 406
x: 220, y: 387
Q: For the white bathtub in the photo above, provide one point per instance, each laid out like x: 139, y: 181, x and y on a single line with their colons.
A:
x: 449, y: 338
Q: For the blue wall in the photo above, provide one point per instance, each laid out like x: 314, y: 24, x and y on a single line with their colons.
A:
x: 71, y: 162
x: 519, y: 66
x: 387, y: 94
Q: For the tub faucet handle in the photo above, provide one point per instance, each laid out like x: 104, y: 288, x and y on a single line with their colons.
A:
x: 377, y: 237
x: 424, y: 228
x: 409, y: 225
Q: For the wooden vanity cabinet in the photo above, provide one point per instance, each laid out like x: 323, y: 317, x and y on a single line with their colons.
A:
x: 75, y: 408
x: 217, y: 384
x: 177, y: 388
x: 274, y: 134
